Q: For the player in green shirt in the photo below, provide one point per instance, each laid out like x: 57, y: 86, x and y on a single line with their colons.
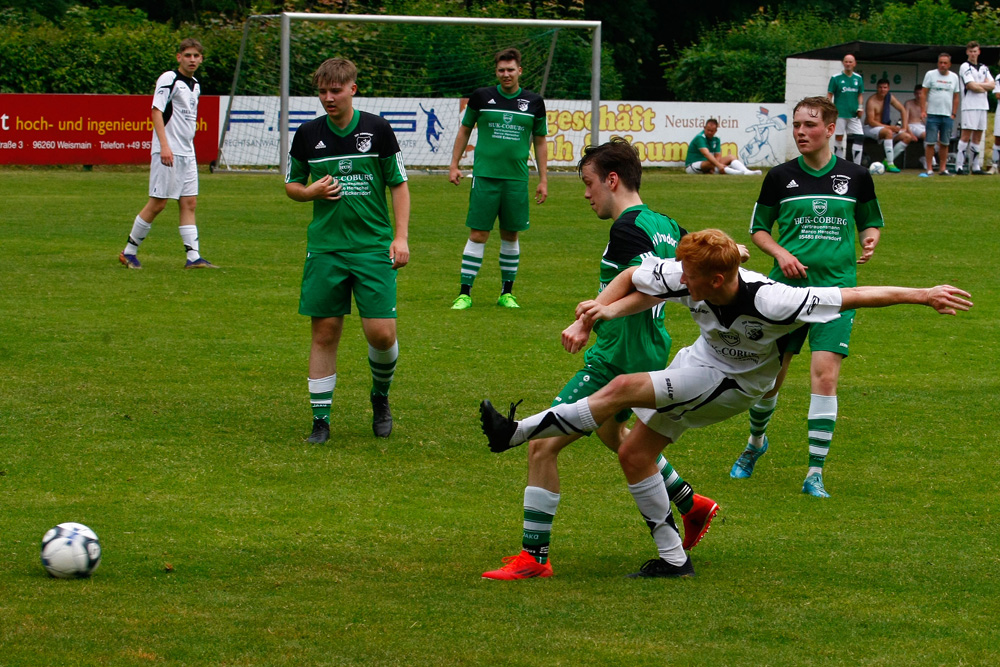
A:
x: 351, y: 157
x: 510, y: 120
x: 846, y: 91
x: 704, y: 155
x: 612, y: 175
x: 823, y: 205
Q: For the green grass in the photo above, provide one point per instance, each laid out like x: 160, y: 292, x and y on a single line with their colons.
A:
x: 166, y: 409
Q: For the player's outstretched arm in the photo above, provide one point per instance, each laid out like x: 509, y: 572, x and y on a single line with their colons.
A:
x: 945, y: 299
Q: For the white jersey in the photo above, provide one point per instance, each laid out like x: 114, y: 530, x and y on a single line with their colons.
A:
x: 970, y: 73
x: 177, y: 97
x: 740, y: 339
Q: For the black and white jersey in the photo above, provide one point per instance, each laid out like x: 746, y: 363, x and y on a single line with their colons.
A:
x: 969, y: 73
x: 176, y: 96
x: 741, y: 339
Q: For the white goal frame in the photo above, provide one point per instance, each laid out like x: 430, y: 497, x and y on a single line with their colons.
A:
x: 286, y: 30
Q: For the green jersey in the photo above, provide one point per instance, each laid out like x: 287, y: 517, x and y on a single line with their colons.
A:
x: 694, y: 154
x: 365, y: 158
x: 845, y: 91
x: 818, y: 214
x: 506, y: 124
x: 638, y: 342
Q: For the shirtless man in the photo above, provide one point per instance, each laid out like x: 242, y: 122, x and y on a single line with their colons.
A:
x: 879, y: 127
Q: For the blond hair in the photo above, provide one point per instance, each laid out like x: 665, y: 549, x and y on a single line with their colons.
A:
x: 708, y: 252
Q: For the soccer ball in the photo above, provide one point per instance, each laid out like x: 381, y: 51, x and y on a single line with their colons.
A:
x: 876, y: 168
x: 71, y: 551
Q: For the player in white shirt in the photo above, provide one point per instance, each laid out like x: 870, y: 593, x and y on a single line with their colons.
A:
x: 173, y: 169
x: 742, y: 316
x: 977, y: 83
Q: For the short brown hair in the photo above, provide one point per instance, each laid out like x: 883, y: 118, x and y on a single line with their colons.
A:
x: 508, y: 54
x: 825, y: 107
x: 712, y: 121
x: 708, y: 252
x: 618, y: 156
x: 972, y: 45
x: 190, y: 43
x: 335, y: 70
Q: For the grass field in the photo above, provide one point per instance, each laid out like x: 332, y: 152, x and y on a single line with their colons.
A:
x: 167, y: 409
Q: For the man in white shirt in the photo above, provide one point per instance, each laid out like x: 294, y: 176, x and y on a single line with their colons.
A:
x: 977, y: 80
x: 938, y: 107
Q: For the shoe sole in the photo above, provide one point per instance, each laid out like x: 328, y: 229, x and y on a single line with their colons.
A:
x: 704, y: 531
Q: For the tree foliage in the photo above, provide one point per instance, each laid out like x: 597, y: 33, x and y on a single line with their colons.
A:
x: 745, y: 61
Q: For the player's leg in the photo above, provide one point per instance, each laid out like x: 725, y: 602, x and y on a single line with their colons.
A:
x: 159, y: 186
x: 886, y: 137
x: 484, y: 206
x: 829, y: 344
x: 963, y: 150
x: 325, y: 297
x: 514, y: 218
x: 976, y: 157
x: 839, y: 145
x: 326, y: 333
x: 374, y: 284
x: 762, y: 411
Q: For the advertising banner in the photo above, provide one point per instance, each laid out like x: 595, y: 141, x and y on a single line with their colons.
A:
x: 91, y: 129
x: 426, y: 129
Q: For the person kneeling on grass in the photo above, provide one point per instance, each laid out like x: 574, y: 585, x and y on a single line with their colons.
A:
x: 742, y: 315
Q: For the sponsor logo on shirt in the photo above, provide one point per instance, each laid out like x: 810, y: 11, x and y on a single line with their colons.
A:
x: 819, y: 206
x: 320, y: 144
x: 792, y: 184
x: 730, y: 337
x: 492, y: 101
x: 508, y: 118
x: 345, y: 166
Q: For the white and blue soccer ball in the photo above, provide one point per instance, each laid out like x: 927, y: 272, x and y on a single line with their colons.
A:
x: 71, y: 551
x: 876, y: 168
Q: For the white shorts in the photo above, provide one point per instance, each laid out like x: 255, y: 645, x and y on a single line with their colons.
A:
x: 847, y: 126
x: 695, y: 168
x: 175, y: 182
x: 691, y: 397
x: 974, y: 119
x: 872, y: 132
x: 917, y: 129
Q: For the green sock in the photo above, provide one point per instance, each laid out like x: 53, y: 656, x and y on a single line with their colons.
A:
x: 510, y: 257
x: 472, y: 261
x: 822, y: 420
x: 680, y: 492
x: 321, y: 396
x: 383, y: 367
x: 539, y: 511
x: 760, y: 416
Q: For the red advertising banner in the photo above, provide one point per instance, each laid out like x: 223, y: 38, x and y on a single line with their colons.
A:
x: 91, y: 129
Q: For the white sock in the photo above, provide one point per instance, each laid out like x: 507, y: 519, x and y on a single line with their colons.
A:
x: 541, y: 500
x: 736, y: 164
x: 977, y: 157
x: 731, y: 171
x: 562, y: 419
x: 996, y: 151
x: 140, y: 228
x: 654, y: 504
x: 838, y: 150
x: 887, y: 147
x: 897, y: 150
x: 189, y: 235
x: 856, y: 151
x: 960, y: 156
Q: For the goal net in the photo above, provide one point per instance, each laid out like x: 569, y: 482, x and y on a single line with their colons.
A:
x: 413, y: 71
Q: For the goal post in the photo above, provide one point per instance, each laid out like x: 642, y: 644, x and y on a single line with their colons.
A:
x: 449, y: 62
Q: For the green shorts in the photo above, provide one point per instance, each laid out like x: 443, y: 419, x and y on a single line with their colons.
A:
x: 492, y: 198
x: 832, y: 336
x: 586, y: 382
x: 329, y: 279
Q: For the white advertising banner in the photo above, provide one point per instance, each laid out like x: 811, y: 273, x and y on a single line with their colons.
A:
x: 425, y: 128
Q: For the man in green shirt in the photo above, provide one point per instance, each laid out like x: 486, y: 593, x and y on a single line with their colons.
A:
x: 510, y: 120
x: 351, y: 157
x: 704, y: 155
x: 823, y: 205
x: 846, y: 91
x: 612, y: 175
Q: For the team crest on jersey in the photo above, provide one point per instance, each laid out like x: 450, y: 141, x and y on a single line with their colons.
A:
x: 754, y: 330
x: 364, y: 141
x: 508, y: 118
x: 840, y: 184
x: 819, y: 206
x: 730, y: 337
x: 345, y: 166
x: 522, y: 105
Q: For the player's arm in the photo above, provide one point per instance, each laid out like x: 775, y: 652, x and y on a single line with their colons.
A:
x: 542, y: 162
x: 868, y: 238
x: 871, y: 118
x: 166, y: 155
x: 790, y: 266
x: 325, y: 188
x: 954, y: 104
x: 923, y: 103
x: 461, y: 143
x: 399, y: 250
x: 904, y: 114
x: 861, y: 104
x: 945, y: 299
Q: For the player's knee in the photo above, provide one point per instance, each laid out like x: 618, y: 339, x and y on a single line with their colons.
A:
x: 542, y: 450
x: 629, y: 459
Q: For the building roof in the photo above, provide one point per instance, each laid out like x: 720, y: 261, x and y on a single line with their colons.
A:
x: 884, y: 52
